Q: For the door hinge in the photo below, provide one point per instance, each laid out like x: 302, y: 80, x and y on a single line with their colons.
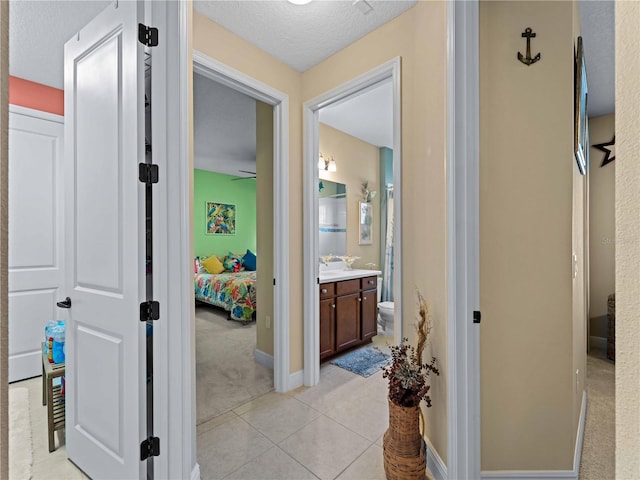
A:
x: 149, y: 311
x: 274, y: 282
x: 147, y: 35
x: 148, y: 173
x: 150, y: 448
x: 477, y: 316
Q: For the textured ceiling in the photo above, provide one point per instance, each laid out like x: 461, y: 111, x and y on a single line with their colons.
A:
x: 300, y: 35
x: 368, y: 116
x: 598, y: 36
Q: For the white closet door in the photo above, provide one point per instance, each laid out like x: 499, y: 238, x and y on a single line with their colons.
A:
x: 35, y: 234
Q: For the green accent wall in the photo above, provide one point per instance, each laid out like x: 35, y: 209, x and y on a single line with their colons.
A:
x: 216, y: 187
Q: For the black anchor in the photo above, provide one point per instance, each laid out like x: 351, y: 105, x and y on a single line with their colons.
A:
x: 528, y: 34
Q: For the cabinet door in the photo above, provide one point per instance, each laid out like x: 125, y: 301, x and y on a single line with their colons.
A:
x: 327, y: 327
x: 347, y: 321
x: 369, y: 314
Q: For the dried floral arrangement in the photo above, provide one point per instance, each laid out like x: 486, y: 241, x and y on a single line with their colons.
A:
x: 407, y: 374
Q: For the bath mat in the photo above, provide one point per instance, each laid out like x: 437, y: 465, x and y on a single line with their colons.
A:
x: 364, y: 361
x: 20, y: 450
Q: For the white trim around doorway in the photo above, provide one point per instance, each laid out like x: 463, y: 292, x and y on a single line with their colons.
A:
x: 463, y: 369
x: 243, y: 83
x: 386, y: 71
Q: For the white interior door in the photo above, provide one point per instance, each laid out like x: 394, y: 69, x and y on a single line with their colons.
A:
x: 35, y: 234
x: 104, y: 142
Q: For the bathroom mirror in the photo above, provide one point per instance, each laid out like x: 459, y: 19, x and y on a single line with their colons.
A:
x: 332, y: 215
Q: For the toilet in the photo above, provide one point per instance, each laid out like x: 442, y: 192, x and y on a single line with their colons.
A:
x: 385, y: 314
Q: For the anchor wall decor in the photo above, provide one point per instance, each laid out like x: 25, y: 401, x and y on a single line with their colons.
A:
x: 527, y: 60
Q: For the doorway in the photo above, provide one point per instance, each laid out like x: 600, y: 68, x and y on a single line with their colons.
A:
x: 233, y: 238
x: 276, y: 328
x: 386, y: 74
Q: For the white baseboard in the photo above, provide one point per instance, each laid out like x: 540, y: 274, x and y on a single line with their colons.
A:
x: 435, y: 465
x: 295, y: 380
x: 598, y: 342
x: 548, y: 474
x: 195, y: 473
x: 577, y: 454
x: 263, y: 359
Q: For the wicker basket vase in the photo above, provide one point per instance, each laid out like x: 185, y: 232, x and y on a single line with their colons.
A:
x: 403, y: 447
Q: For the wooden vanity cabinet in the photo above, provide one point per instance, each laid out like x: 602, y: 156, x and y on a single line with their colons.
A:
x: 348, y: 313
x: 347, y: 321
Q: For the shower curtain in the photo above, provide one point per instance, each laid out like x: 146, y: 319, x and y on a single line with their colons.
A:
x: 387, y: 260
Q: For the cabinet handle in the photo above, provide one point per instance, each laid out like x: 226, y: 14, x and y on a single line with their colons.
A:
x: 370, y: 282
x: 324, y: 290
x: 365, y: 298
x: 333, y: 306
x: 359, y: 299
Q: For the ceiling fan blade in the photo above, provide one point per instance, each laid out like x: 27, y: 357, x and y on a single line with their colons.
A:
x: 243, y: 178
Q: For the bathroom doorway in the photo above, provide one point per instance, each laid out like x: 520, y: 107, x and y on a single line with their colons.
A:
x: 343, y: 153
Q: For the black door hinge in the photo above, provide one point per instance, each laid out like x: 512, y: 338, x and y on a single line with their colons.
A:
x: 149, y: 311
x: 477, y: 316
x: 150, y: 448
x: 148, y: 173
x: 274, y: 281
x: 147, y: 35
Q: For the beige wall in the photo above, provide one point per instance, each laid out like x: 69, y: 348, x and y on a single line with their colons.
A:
x: 527, y: 167
x: 264, y: 226
x: 419, y: 38
x: 4, y: 161
x: 627, y: 186
x: 226, y: 47
x: 601, y: 225
x: 356, y: 162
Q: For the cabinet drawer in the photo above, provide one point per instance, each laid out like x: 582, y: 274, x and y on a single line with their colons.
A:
x: 327, y: 290
x: 346, y: 287
x: 369, y: 283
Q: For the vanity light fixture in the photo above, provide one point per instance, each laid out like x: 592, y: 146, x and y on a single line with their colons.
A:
x: 327, y: 164
x: 299, y: 2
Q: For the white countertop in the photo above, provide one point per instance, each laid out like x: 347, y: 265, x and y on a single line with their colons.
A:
x: 337, y: 275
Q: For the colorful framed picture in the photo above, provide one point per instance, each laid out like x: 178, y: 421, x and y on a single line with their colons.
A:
x: 366, y: 223
x: 220, y: 218
x: 581, y: 127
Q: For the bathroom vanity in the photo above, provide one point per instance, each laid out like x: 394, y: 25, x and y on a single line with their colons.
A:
x: 348, y: 309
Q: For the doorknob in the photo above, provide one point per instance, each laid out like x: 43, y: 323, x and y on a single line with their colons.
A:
x: 66, y: 303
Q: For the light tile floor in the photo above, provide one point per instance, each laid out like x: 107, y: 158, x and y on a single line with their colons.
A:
x: 50, y: 466
x: 331, y: 431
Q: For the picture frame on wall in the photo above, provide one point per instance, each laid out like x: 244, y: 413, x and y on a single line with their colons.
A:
x: 220, y: 218
x: 365, y: 222
x: 581, y: 127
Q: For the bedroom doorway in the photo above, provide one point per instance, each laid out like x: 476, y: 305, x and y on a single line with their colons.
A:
x: 233, y: 218
x: 256, y: 320
x: 371, y: 177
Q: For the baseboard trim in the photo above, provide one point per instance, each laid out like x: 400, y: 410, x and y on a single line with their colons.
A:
x: 598, y: 342
x: 577, y: 454
x: 195, y: 473
x: 548, y: 474
x: 263, y: 358
x: 532, y: 474
x: 435, y: 465
x: 296, y: 379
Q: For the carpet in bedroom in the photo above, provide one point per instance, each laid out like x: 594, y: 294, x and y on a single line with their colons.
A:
x: 227, y: 374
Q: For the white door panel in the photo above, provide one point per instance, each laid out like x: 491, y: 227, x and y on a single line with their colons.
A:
x: 35, y: 236
x: 104, y: 142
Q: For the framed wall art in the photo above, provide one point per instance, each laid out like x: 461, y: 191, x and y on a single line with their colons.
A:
x: 581, y: 127
x: 220, y: 218
x: 366, y: 223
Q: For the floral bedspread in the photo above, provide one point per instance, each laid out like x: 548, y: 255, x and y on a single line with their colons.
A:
x: 235, y: 292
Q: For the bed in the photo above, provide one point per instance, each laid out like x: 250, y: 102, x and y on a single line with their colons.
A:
x: 235, y: 292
